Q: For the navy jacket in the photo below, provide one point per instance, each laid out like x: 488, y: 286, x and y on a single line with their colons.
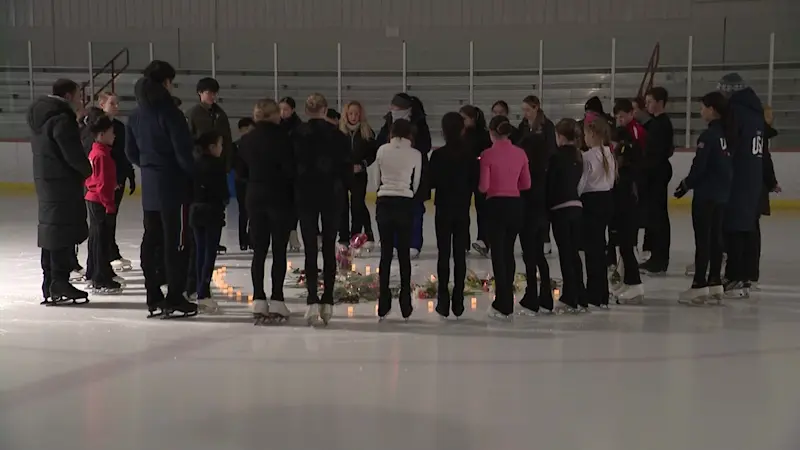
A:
x: 157, y: 139
x: 747, y: 153
x: 712, y: 171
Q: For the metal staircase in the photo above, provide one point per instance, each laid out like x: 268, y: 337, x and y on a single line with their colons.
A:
x: 113, y: 68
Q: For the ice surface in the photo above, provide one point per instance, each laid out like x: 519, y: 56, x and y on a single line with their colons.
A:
x: 656, y: 377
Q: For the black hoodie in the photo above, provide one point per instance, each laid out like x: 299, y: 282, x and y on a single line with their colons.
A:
x: 266, y: 161
x: 157, y: 139
x: 747, y: 158
x: 60, y: 167
x: 322, y: 161
x: 210, y: 192
x: 770, y: 181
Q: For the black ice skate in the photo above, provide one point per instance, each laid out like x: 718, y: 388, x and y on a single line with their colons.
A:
x: 178, y: 308
x: 221, y: 249
x: 64, y: 294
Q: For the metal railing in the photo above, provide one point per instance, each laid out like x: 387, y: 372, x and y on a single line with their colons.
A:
x: 115, y: 67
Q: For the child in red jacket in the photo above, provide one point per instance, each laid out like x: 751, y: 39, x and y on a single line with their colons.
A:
x: 100, y: 203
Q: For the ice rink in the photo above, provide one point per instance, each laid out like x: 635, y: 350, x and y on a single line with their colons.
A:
x: 660, y: 376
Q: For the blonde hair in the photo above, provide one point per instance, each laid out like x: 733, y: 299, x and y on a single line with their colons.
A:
x: 105, y: 96
x: 599, y: 127
x: 363, y: 125
x: 769, y: 115
x: 264, y: 109
x: 316, y: 103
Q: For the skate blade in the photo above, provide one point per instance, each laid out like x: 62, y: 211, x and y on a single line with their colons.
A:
x: 155, y: 314
x: 107, y: 291
x: 66, y: 302
x: 168, y: 315
x: 269, y: 319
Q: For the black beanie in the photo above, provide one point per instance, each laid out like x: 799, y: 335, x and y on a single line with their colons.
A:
x: 402, y: 101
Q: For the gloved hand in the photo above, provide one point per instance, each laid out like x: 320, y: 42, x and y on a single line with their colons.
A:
x: 132, y: 184
x: 681, y: 190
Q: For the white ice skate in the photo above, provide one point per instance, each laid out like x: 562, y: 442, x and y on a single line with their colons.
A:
x: 121, y: 265
x: 120, y: 280
x: 689, y: 270
x: 274, y: 311
x: 694, y: 296
x: 736, y: 289
x: 561, y: 309
x: 312, y: 314
x: 630, y: 295
x: 716, y: 294
x: 260, y: 311
x: 325, y: 312
x: 497, y: 315
x: 294, y: 242
x: 77, y: 275
x: 644, y: 255
x: 481, y: 247
x: 208, y: 306
x: 414, y: 253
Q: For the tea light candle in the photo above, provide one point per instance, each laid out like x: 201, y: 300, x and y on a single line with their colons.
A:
x: 376, y: 310
x: 288, y: 265
x: 238, y: 295
x: 250, y: 298
x: 378, y: 270
x: 430, y: 307
x: 474, y: 302
x: 350, y: 311
x: 556, y: 293
x: 353, y: 268
x: 367, y: 270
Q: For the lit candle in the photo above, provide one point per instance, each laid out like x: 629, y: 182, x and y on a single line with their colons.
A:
x: 376, y: 310
x: 250, y: 298
x: 353, y: 267
x: 556, y: 293
x: 430, y: 307
x: 474, y: 302
x: 378, y: 270
x: 288, y: 265
x: 367, y: 270
x: 350, y: 311
x: 238, y: 295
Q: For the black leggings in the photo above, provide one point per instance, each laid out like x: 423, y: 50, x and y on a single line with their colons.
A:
x: 597, y: 213
x: 452, y: 235
x: 624, y: 236
x: 98, y: 267
x: 505, y: 221
x: 707, y: 224
x: 267, y: 228
x: 743, y: 249
x: 395, y: 219
x: 244, y: 219
x: 532, y: 239
x: 355, y: 206
x: 164, y: 253
x: 310, y: 216
x: 567, y: 233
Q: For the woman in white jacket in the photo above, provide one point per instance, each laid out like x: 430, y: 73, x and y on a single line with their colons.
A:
x: 399, y: 172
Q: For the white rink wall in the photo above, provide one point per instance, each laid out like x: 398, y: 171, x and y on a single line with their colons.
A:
x: 16, y: 167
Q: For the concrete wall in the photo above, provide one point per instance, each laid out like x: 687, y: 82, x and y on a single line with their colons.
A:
x: 16, y: 171
x: 506, y: 32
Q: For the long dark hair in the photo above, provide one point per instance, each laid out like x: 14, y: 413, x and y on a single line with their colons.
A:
x: 571, y: 131
x: 717, y: 101
x: 538, y: 121
x: 474, y: 113
x: 452, y: 127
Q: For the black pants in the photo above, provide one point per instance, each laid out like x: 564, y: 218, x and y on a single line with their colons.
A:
x: 505, y: 223
x: 98, y: 264
x: 742, y: 249
x: 111, y: 223
x: 355, y: 206
x: 310, y: 216
x: 659, y: 229
x: 452, y: 237
x: 707, y: 225
x: 270, y: 227
x: 532, y: 239
x: 480, y: 212
x: 756, y: 269
x: 624, y: 235
x: 598, y: 208
x: 241, y: 195
x: 164, y: 254
x: 190, y: 254
x: 567, y: 233
x: 395, y: 218
x: 206, y: 240
x: 56, y: 266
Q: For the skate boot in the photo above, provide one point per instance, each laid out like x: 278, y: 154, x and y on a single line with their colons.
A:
x: 754, y: 287
x: 63, y: 293
x: 122, y: 265
x: 208, y: 306
x: 715, y: 294
x: 630, y: 295
x: 312, y: 314
x: 548, y: 248
x: 179, y: 305
x: 651, y: 268
x: 221, y: 249
x: 414, y: 253
x: 735, y: 289
x: 689, y: 270
x: 563, y: 308
x: 260, y: 311
x: 497, y: 315
x: 77, y: 274
x: 120, y: 280
x: 694, y: 296
x: 325, y: 312
x: 481, y: 248
x: 294, y: 242
x: 106, y: 288
x: 525, y: 312
x: 644, y: 256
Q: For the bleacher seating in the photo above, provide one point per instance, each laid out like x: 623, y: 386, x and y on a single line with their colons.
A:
x: 564, y: 92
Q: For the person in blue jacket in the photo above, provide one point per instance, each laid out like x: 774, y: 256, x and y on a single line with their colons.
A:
x: 157, y: 139
x: 710, y: 178
x: 742, y: 212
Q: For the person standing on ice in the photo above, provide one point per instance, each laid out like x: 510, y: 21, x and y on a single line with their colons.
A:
x: 60, y: 167
x: 157, y: 139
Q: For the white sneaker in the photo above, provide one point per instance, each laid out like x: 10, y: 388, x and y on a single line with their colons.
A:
x: 548, y: 248
x: 312, y: 314
x: 694, y: 296
x: 208, y: 306
x: 631, y: 295
x: 325, y: 312
x: 414, y: 253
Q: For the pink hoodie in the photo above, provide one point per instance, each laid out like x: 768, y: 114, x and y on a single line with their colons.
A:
x: 504, y: 170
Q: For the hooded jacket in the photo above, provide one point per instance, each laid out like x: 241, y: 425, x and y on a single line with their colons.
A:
x: 322, y: 162
x: 266, y: 161
x: 770, y: 182
x: 60, y: 167
x: 711, y: 172
x: 747, y: 157
x: 100, y: 186
x: 157, y: 139
x: 204, y: 118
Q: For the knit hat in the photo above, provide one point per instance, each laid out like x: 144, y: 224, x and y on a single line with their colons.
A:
x: 402, y: 101
x: 731, y: 82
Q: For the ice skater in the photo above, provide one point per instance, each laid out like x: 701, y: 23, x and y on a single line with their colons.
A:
x: 60, y: 167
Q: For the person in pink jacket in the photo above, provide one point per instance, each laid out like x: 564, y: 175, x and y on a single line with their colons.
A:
x: 504, y: 173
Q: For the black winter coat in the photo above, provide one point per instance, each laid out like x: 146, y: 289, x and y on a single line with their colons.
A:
x: 563, y: 176
x: 362, y: 151
x: 266, y: 161
x: 747, y: 157
x: 539, y: 147
x: 421, y: 140
x: 770, y: 182
x: 210, y: 192
x: 711, y: 173
x: 628, y: 155
x: 291, y: 123
x: 322, y: 161
x: 60, y: 167
x: 157, y: 139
